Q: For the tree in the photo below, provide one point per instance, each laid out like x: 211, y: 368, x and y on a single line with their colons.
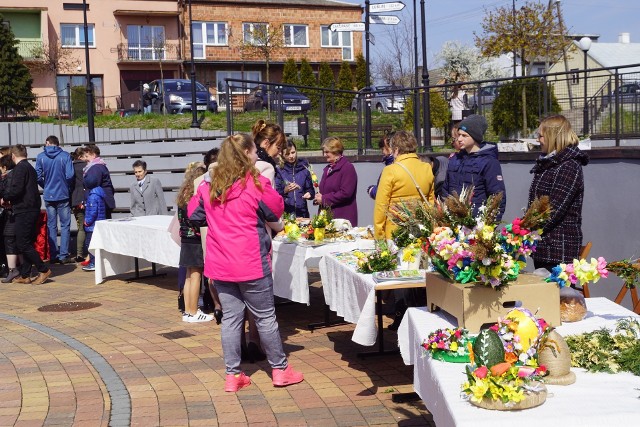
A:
x: 361, y: 72
x: 53, y: 59
x: 440, y: 115
x: 15, y: 81
x: 465, y: 63
x: 504, y: 122
x: 345, y: 82
x: 326, y: 78
x: 529, y: 31
x: 307, y: 78
x: 262, y: 41
x: 290, y: 73
x: 396, y: 65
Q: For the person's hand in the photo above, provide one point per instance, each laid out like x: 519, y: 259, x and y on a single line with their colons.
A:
x: 306, y: 195
x: 291, y: 187
x: 318, y: 199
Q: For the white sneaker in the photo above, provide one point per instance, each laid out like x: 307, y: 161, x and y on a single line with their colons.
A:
x: 197, y: 318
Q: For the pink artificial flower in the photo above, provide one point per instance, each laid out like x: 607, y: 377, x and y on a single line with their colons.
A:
x: 542, y: 324
x: 526, y: 371
x: 569, y: 269
x: 481, y: 372
x: 441, y: 345
x: 602, y: 267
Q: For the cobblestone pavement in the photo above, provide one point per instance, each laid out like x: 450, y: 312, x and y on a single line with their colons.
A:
x: 123, y: 357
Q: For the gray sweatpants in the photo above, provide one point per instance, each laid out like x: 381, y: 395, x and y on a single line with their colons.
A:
x: 257, y: 296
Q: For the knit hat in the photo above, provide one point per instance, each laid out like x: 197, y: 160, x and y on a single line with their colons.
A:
x: 475, y: 125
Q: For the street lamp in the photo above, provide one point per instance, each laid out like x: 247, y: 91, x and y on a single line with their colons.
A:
x: 426, y: 109
x: 416, y: 93
x: 585, y: 45
x: 194, y: 99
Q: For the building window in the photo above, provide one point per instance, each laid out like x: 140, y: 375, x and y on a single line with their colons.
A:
x: 208, y: 34
x: 338, y: 39
x: 146, y: 42
x: 255, y: 33
x: 296, y: 35
x: 235, y: 87
x: 64, y: 83
x: 72, y: 35
x: 575, y: 76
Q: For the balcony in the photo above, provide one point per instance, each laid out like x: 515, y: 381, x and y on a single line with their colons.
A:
x: 141, y: 52
x: 30, y: 50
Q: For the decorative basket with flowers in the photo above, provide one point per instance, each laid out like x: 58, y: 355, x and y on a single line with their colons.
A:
x: 381, y: 259
x: 449, y: 345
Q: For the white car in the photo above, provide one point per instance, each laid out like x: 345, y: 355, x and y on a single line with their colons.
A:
x: 384, y: 99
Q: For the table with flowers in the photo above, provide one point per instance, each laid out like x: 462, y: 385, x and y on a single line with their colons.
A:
x: 595, y: 399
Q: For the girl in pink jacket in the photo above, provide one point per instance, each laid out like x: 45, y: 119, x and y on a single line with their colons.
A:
x: 237, y: 203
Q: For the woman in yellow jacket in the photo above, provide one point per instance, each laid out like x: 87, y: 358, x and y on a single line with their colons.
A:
x: 400, y: 181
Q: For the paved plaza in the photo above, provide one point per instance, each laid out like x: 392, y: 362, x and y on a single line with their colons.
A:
x: 77, y: 354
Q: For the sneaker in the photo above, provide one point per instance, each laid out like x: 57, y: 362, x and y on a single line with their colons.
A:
x: 67, y: 260
x: 85, y: 262
x: 41, y: 278
x: 197, y: 318
x: 89, y: 267
x: 235, y: 382
x: 13, y: 273
x: 285, y: 377
x: 80, y: 259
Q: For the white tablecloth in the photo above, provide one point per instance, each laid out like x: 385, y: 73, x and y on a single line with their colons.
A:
x: 291, y: 262
x: 116, y: 242
x: 352, y: 296
x: 595, y: 399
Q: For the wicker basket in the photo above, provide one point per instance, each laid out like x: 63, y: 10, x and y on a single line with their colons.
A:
x: 530, y: 401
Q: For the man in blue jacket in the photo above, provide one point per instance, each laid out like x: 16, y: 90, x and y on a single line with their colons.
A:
x: 54, y: 169
x: 475, y: 165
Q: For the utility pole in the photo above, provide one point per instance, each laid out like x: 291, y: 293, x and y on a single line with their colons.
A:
x: 90, y: 123
x: 417, y: 130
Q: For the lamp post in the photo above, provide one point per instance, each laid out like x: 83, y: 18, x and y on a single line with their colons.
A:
x: 194, y: 99
x: 426, y: 108
x: 90, y: 124
x: 367, y: 88
x: 416, y: 83
x: 585, y: 45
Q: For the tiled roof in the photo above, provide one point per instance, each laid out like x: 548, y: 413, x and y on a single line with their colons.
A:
x: 323, y: 3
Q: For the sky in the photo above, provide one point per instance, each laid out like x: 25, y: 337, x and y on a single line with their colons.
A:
x: 448, y: 20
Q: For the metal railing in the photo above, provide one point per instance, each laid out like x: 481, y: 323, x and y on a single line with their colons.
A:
x: 30, y: 50
x: 139, y: 52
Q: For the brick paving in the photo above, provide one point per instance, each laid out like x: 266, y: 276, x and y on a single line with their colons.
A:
x: 132, y: 361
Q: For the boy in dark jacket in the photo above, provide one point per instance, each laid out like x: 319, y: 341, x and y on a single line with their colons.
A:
x: 475, y: 165
x: 95, y: 210
x: 96, y: 173
x: 22, y: 192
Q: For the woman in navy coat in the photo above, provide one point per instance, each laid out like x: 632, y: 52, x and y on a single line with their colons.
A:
x: 339, y: 183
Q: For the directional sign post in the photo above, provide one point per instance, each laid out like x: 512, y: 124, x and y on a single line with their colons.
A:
x: 384, y: 19
x: 351, y: 26
x: 386, y: 7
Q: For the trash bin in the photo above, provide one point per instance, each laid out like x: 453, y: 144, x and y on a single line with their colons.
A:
x: 303, y: 126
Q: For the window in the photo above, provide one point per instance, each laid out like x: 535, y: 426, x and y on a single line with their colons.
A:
x: 146, y: 42
x: 296, y: 35
x: 235, y: 87
x: 208, y: 34
x: 341, y: 39
x: 65, y: 97
x: 255, y: 33
x: 575, y: 76
x: 72, y: 35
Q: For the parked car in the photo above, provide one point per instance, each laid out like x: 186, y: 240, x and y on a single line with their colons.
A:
x: 176, y: 97
x: 384, y: 102
x: 288, y: 98
x: 628, y: 93
x: 485, y: 97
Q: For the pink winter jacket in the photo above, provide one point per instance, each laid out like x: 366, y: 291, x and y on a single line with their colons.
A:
x: 238, y: 244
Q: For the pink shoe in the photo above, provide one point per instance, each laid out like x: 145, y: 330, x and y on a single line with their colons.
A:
x: 235, y: 382
x: 285, y: 377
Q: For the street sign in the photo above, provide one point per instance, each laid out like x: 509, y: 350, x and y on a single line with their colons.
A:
x: 386, y: 7
x: 384, y: 19
x: 351, y: 26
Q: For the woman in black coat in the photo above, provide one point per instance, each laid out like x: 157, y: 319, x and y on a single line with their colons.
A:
x: 558, y: 174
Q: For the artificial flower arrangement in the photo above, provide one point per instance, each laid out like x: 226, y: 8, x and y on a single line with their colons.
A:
x: 322, y: 219
x: 380, y: 259
x: 504, y: 373
x: 579, y: 272
x: 314, y: 178
x: 468, y: 248
x: 449, y: 344
x: 291, y: 228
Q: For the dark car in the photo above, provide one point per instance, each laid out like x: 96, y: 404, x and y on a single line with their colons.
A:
x: 173, y: 96
x: 628, y: 93
x: 384, y: 99
x: 288, y: 98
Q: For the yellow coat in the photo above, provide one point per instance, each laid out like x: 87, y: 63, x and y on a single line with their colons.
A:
x: 396, y: 185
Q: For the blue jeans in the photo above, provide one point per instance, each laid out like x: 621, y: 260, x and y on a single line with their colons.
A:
x: 61, y: 209
x: 87, y: 242
x: 257, y: 296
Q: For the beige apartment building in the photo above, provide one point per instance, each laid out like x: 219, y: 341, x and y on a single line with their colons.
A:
x: 136, y: 41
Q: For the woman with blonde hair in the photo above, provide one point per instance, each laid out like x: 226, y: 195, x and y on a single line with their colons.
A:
x: 236, y: 203
x: 339, y: 183
x: 270, y: 141
x: 558, y: 174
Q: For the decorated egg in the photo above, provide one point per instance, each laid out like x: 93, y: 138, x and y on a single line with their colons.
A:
x: 488, y: 349
x: 527, y: 329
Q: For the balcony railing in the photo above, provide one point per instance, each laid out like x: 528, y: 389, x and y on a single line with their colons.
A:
x: 141, y: 52
x: 30, y: 50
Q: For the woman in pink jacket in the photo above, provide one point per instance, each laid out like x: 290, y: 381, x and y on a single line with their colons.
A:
x: 237, y: 203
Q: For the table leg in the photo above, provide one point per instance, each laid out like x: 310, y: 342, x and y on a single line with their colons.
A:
x: 137, y: 275
x: 327, y: 320
x: 381, y: 351
x: 404, y: 397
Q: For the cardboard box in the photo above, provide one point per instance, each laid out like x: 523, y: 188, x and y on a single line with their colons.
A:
x: 473, y: 305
